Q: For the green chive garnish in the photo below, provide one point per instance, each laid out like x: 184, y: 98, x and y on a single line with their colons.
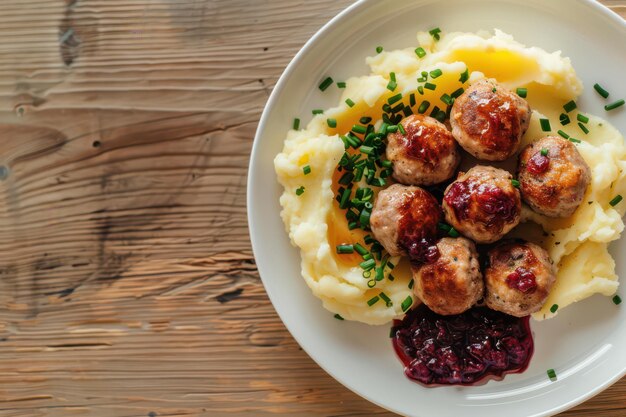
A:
x: 407, y: 303
x: 554, y: 308
x: 420, y: 90
x: 331, y: 123
x: 364, y: 218
x: 318, y: 111
x: 515, y: 183
x: 582, y: 118
x: 430, y: 86
x: 360, y: 249
x: 372, y: 282
x: 545, y: 125
x: 583, y: 128
x: 300, y: 191
x: 359, y: 129
x: 601, y: 90
x: 447, y: 99
x: 443, y: 226
x: 453, y: 232
x: 436, y: 73
x: 379, y: 49
x: 457, y: 93
x: 349, y: 102
x: 368, y: 150
x: 306, y: 169
x: 574, y: 140
x: 569, y: 106
x: 391, y: 86
x: 373, y: 300
x: 368, y: 264
x: 401, y: 129
x: 435, y: 33
x: 544, y: 152
x: 338, y: 317
x: 464, y: 76
x: 380, y: 273
x: 296, y: 124
x: 394, y: 99
x: 551, y: 374
x: 341, y: 84
x: 564, y: 119
x: 412, y: 99
x: 420, y: 52
x: 614, y: 105
x: 343, y: 249
x: 493, y: 90
x: 617, y: 300
x: 365, y: 120
x: 326, y: 83
x: 615, y: 200
x: 386, y: 299
x: 565, y: 135
x: 522, y: 92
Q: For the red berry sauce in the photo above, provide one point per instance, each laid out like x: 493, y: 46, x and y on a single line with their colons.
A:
x: 497, y: 206
x: 538, y: 163
x: 461, y: 349
x: 523, y: 280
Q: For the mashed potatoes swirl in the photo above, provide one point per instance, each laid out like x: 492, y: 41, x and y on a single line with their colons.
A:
x: 578, y: 245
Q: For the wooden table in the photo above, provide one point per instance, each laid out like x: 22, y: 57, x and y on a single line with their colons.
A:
x: 127, y: 283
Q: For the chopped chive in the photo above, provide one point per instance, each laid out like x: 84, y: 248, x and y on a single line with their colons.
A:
x: 544, y: 152
x: 318, y: 111
x: 447, y: 99
x: 401, y: 129
x: 515, y: 183
x: 368, y: 150
x: 464, y: 76
x: 420, y: 52
x: 341, y: 84
x: 392, y: 129
x: 430, y: 86
x: 436, y: 73
x: 565, y: 135
x: 349, y: 102
x: 306, y: 169
x: 435, y: 33
x: 343, y: 249
x: 392, y: 76
x: 615, y: 200
x: 391, y: 86
x: 407, y: 111
x: 554, y: 308
x: 457, y: 93
x: 453, y: 232
x: 564, y: 119
x: 569, y: 106
x: 545, y: 125
x: 326, y: 83
x: 493, y: 90
x: 617, y: 300
x: 582, y: 118
x: 441, y: 116
x: 407, y: 303
x: 390, y: 265
x: 412, y: 100
x: 346, y: 178
x: 352, y: 225
x: 379, y: 49
x: 359, y: 129
x: 420, y: 90
x: 386, y: 299
x: 364, y: 218
x: 373, y: 300
x: 380, y: 273
x: 614, y: 105
x: 300, y: 191
x: 365, y: 120
x: 422, y: 79
x: 444, y: 227
x: 296, y: 124
x: 601, y: 90
x: 368, y: 264
x: 583, y: 128
x: 434, y: 112
x: 574, y: 140
x: 398, y: 108
x: 345, y: 198
x: 522, y: 92
x: 411, y: 283
x: 390, y: 277
x: 338, y: 317
x: 423, y: 107
x: 551, y: 374
x: 331, y: 123
x: 360, y: 249
x: 394, y: 99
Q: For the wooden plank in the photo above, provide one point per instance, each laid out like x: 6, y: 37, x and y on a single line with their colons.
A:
x: 127, y: 283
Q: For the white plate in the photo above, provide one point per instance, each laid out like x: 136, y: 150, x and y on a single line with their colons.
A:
x: 585, y: 344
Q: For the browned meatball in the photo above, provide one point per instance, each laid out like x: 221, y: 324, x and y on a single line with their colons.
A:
x: 553, y: 176
x: 452, y: 283
x: 483, y: 204
x: 404, y: 220
x: 519, y: 278
x: 425, y: 154
x: 488, y: 120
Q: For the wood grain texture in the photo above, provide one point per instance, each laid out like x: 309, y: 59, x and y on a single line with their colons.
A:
x: 127, y: 282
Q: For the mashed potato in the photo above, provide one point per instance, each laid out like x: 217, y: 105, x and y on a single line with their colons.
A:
x: 316, y: 225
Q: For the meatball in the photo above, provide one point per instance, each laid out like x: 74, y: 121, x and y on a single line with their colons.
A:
x: 452, y: 283
x: 488, y: 120
x: 519, y: 278
x: 483, y: 204
x: 553, y: 176
x: 404, y: 220
x: 425, y: 154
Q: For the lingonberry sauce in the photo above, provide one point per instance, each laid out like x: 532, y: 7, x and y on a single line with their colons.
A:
x: 462, y: 349
x: 538, y: 164
x: 492, y: 201
x: 523, y: 280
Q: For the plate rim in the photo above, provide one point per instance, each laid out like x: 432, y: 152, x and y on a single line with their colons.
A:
x: 252, y: 166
